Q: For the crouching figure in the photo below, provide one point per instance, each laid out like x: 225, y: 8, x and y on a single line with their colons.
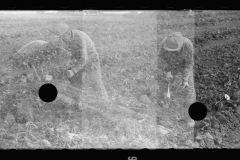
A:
x: 84, y: 57
x: 177, y: 54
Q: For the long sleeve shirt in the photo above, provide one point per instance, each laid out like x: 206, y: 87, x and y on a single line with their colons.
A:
x: 181, y: 61
x: 37, y: 45
x: 80, y: 46
x: 32, y: 47
x: 53, y: 43
x: 82, y: 49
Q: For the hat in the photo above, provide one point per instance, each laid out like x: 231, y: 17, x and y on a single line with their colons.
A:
x: 59, y: 29
x: 173, y: 42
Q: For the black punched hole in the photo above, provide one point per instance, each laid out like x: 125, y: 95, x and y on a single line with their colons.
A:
x: 47, y: 92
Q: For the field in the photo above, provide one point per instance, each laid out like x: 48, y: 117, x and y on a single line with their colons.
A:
x: 127, y: 46
x: 217, y: 75
x: 216, y: 42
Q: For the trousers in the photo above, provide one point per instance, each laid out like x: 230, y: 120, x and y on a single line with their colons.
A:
x: 93, y: 72
x: 181, y: 98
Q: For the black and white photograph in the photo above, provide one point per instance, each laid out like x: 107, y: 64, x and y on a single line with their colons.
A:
x: 129, y: 79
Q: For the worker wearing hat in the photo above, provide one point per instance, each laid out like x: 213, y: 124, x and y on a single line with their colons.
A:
x: 177, y: 53
x: 85, y: 58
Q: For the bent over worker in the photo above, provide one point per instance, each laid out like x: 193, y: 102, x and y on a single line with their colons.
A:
x: 177, y: 53
x: 84, y: 57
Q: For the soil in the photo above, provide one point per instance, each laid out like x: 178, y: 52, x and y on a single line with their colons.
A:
x: 127, y: 47
x: 216, y: 75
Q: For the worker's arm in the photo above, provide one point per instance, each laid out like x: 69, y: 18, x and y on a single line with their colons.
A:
x: 83, y: 60
x: 32, y: 47
x: 188, y: 60
x: 162, y: 61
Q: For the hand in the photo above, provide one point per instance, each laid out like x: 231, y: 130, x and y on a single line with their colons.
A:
x: 108, y: 103
x: 70, y: 73
x: 184, y: 84
x: 80, y: 105
x: 106, y: 100
x: 169, y: 75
